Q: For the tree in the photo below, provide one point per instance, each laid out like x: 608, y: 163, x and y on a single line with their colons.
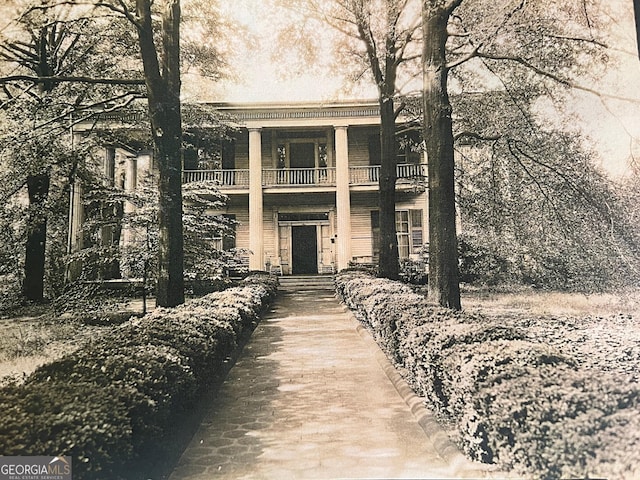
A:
x: 162, y: 76
x: 47, y: 50
x: 159, y: 44
x: 537, y: 211
x: 380, y: 39
x: 520, y: 43
x: 444, y: 287
x: 636, y: 11
x: 137, y: 256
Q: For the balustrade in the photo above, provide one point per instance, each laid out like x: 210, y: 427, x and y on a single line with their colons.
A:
x: 326, y: 176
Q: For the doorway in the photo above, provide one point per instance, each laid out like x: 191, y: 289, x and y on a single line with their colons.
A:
x: 304, y: 249
x: 302, y: 155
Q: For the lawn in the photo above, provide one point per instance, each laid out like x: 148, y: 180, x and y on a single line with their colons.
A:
x: 600, y: 331
x: 35, y: 335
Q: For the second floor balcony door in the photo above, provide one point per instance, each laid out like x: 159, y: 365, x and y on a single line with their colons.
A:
x: 302, y: 160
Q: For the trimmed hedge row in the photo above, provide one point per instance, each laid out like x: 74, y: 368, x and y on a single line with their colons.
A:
x: 513, y: 400
x: 109, y: 404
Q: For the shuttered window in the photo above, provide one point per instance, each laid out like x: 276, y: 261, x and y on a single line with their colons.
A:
x: 409, y: 230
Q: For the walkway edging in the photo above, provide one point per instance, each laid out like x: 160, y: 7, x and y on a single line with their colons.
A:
x: 449, y: 451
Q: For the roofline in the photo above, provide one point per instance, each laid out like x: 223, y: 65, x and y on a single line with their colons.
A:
x: 288, y: 105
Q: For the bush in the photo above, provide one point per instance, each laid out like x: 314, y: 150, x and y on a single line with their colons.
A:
x: 110, y: 403
x: 479, y: 264
x: 514, y: 401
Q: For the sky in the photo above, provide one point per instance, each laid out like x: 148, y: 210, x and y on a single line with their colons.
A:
x: 613, y: 125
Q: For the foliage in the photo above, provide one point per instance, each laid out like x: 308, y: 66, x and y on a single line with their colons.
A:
x: 539, y: 212
x: 111, y: 404
x: 204, y: 259
x: 94, y: 303
x: 479, y: 264
x: 43, y: 49
x: 413, y: 271
x: 516, y: 391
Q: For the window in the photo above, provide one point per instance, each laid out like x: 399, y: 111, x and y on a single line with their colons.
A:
x: 409, y: 143
x: 402, y: 232
x: 226, y: 236
x: 410, y: 147
x: 409, y: 232
x: 322, y: 155
x: 282, y: 155
x: 417, y: 239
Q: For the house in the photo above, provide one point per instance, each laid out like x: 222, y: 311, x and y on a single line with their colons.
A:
x: 302, y: 184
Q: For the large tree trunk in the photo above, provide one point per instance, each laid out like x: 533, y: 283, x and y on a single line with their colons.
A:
x: 388, y: 264
x: 163, y: 91
x: 444, y: 285
x: 34, y: 264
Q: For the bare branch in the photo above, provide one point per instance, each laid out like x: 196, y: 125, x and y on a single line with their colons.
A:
x: 476, y: 136
x: 552, y: 76
x: 463, y: 59
x: 98, y: 81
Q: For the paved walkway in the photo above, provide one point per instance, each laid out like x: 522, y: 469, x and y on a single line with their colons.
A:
x: 309, y: 398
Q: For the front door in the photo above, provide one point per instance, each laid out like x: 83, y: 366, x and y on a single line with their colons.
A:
x: 304, y: 249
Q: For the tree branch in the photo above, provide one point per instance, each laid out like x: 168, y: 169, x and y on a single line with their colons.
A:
x: 64, y: 79
x: 552, y: 76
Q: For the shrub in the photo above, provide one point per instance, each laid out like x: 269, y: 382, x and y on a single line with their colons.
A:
x: 83, y: 420
x: 110, y: 403
x: 515, y: 401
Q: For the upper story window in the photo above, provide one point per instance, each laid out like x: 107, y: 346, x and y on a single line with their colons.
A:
x: 306, y: 150
x: 410, y: 147
x: 409, y: 143
x: 210, y: 154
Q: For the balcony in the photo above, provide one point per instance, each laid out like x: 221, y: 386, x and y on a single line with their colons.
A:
x: 305, y: 177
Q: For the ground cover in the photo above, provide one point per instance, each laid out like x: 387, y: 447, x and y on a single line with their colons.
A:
x: 36, y: 337
x: 542, y: 384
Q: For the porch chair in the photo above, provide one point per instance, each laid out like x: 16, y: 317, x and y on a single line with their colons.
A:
x: 276, y: 268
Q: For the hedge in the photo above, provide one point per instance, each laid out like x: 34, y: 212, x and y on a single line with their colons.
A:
x: 514, y: 401
x: 109, y: 404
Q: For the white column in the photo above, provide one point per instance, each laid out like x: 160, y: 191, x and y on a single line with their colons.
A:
x: 130, y: 184
x: 76, y: 217
x: 256, y: 228
x: 343, y: 201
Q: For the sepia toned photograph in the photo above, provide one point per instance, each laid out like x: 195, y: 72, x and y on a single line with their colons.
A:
x: 319, y: 239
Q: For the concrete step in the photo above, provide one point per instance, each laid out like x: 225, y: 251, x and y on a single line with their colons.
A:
x: 306, y: 282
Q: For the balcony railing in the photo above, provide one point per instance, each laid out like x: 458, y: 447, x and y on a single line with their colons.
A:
x: 288, y: 177
x: 298, y: 176
x: 224, y: 178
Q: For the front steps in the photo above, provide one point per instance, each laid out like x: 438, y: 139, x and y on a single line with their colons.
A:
x: 295, y: 283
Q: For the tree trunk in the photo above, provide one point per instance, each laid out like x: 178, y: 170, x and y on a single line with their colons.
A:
x: 34, y: 265
x: 388, y: 264
x: 444, y: 285
x: 163, y: 91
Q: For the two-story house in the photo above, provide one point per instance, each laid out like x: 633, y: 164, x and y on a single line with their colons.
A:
x: 302, y: 184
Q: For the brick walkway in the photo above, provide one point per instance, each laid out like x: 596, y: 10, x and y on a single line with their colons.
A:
x: 309, y: 398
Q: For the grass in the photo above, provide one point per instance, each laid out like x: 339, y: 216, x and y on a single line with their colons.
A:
x: 35, y: 335
x: 538, y: 302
